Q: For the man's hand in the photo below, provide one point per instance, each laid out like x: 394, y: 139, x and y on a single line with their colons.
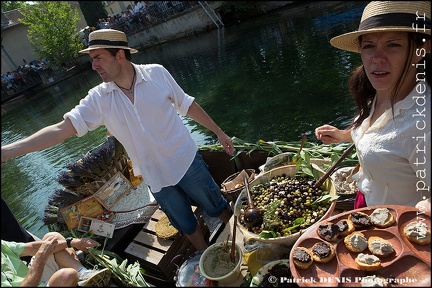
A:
x: 84, y: 243
x: 34, y: 275
x: 226, y: 143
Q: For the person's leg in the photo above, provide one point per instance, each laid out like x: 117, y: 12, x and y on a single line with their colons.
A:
x: 200, y: 186
x: 77, y: 274
x: 197, y: 239
x: 56, y: 276
x: 66, y: 258
x: 176, y: 205
x: 65, y: 277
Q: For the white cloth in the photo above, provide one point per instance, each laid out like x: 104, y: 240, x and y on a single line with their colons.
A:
x: 50, y: 268
x: 138, y: 6
x: 389, y: 150
x: 158, y: 143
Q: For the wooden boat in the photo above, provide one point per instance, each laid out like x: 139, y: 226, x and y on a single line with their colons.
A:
x: 160, y: 258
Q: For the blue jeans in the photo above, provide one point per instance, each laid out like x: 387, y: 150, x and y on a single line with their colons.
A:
x: 197, y: 184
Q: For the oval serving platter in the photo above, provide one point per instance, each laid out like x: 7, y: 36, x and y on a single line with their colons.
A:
x: 409, y: 265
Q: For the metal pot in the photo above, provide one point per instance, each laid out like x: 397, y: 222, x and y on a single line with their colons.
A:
x: 188, y: 274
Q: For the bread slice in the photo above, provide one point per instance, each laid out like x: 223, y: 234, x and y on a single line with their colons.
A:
x: 418, y: 232
x: 379, y: 246
x: 356, y: 242
x: 368, y: 262
x: 302, y: 257
x: 382, y: 218
x: 360, y: 220
x: 164, y: 229
x: 323, y: 252
x: 346, y: 227
x: 328, y: 231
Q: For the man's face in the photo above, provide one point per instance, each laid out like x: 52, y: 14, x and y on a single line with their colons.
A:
x: 105, y: 64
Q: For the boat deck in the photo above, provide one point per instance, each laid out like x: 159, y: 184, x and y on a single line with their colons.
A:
x: 160, y: 258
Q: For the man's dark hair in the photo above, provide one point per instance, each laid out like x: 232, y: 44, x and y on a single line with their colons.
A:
x: 113, y: 52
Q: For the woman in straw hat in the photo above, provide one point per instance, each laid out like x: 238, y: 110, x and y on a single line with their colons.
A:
x: 140, y: 106
x: 392, y: 91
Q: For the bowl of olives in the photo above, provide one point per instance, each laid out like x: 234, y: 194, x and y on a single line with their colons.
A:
x: 289, y: 202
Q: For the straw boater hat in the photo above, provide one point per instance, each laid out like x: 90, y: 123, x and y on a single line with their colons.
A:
x: 387, y: 16
x: 107, y: 38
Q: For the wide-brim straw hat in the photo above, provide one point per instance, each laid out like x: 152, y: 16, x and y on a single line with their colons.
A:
x: 388, y: 16
x: 107, y: 38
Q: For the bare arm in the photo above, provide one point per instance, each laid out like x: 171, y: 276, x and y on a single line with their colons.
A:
x: 199, y: 115
x: 32, y: 248
x: 330, y: 135
x: 46, y: 248
x: 44, y: 138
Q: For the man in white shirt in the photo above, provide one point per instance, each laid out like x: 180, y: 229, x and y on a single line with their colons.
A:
x: 139, y: 105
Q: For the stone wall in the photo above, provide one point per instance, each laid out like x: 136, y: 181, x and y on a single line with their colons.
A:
x: 190, y: 22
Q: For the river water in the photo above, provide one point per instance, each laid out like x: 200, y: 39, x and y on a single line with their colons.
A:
x: 273, y: 78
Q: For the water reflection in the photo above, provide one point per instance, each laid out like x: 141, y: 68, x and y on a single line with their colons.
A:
x: 273, y: 78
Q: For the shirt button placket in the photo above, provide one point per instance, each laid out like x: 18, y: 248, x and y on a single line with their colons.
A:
x: 139, y: 119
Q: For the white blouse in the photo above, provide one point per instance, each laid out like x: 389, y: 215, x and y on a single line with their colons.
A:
x: 395, y: 153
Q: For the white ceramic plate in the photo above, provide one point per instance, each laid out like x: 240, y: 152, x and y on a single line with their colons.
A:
x: 259, y: 276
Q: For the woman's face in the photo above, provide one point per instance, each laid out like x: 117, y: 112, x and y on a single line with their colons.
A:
x: 384, y: 55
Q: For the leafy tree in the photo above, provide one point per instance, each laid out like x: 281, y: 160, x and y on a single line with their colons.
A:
x: 52, y: 31
x: 93, y: 11
x: 11, y: 5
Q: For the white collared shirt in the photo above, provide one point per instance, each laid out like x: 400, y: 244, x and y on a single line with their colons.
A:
x: 389, y: 150
x: 151, y: 130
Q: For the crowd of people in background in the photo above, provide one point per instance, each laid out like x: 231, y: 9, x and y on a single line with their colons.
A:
x: 14, y: 81
x: 139, y: 16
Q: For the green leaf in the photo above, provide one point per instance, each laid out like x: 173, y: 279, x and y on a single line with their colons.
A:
x: 299, y: 221
x: 325, y: 199
x: 267, y: 234
x: 129, y: 276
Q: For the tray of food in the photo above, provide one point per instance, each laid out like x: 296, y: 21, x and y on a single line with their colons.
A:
x: 377, y: 245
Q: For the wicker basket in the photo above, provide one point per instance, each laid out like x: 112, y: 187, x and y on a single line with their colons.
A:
x: 231, y: 195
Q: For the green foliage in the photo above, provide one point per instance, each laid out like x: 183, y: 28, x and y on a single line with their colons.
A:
x: 52, y: 32
x: 92, y: 11
x: 310, y: 150
x: 124, y: 275
x: 11, y: 5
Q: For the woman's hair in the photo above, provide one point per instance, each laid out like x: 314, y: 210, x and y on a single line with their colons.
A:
x: 362, y: 90
x: 113, y: 52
